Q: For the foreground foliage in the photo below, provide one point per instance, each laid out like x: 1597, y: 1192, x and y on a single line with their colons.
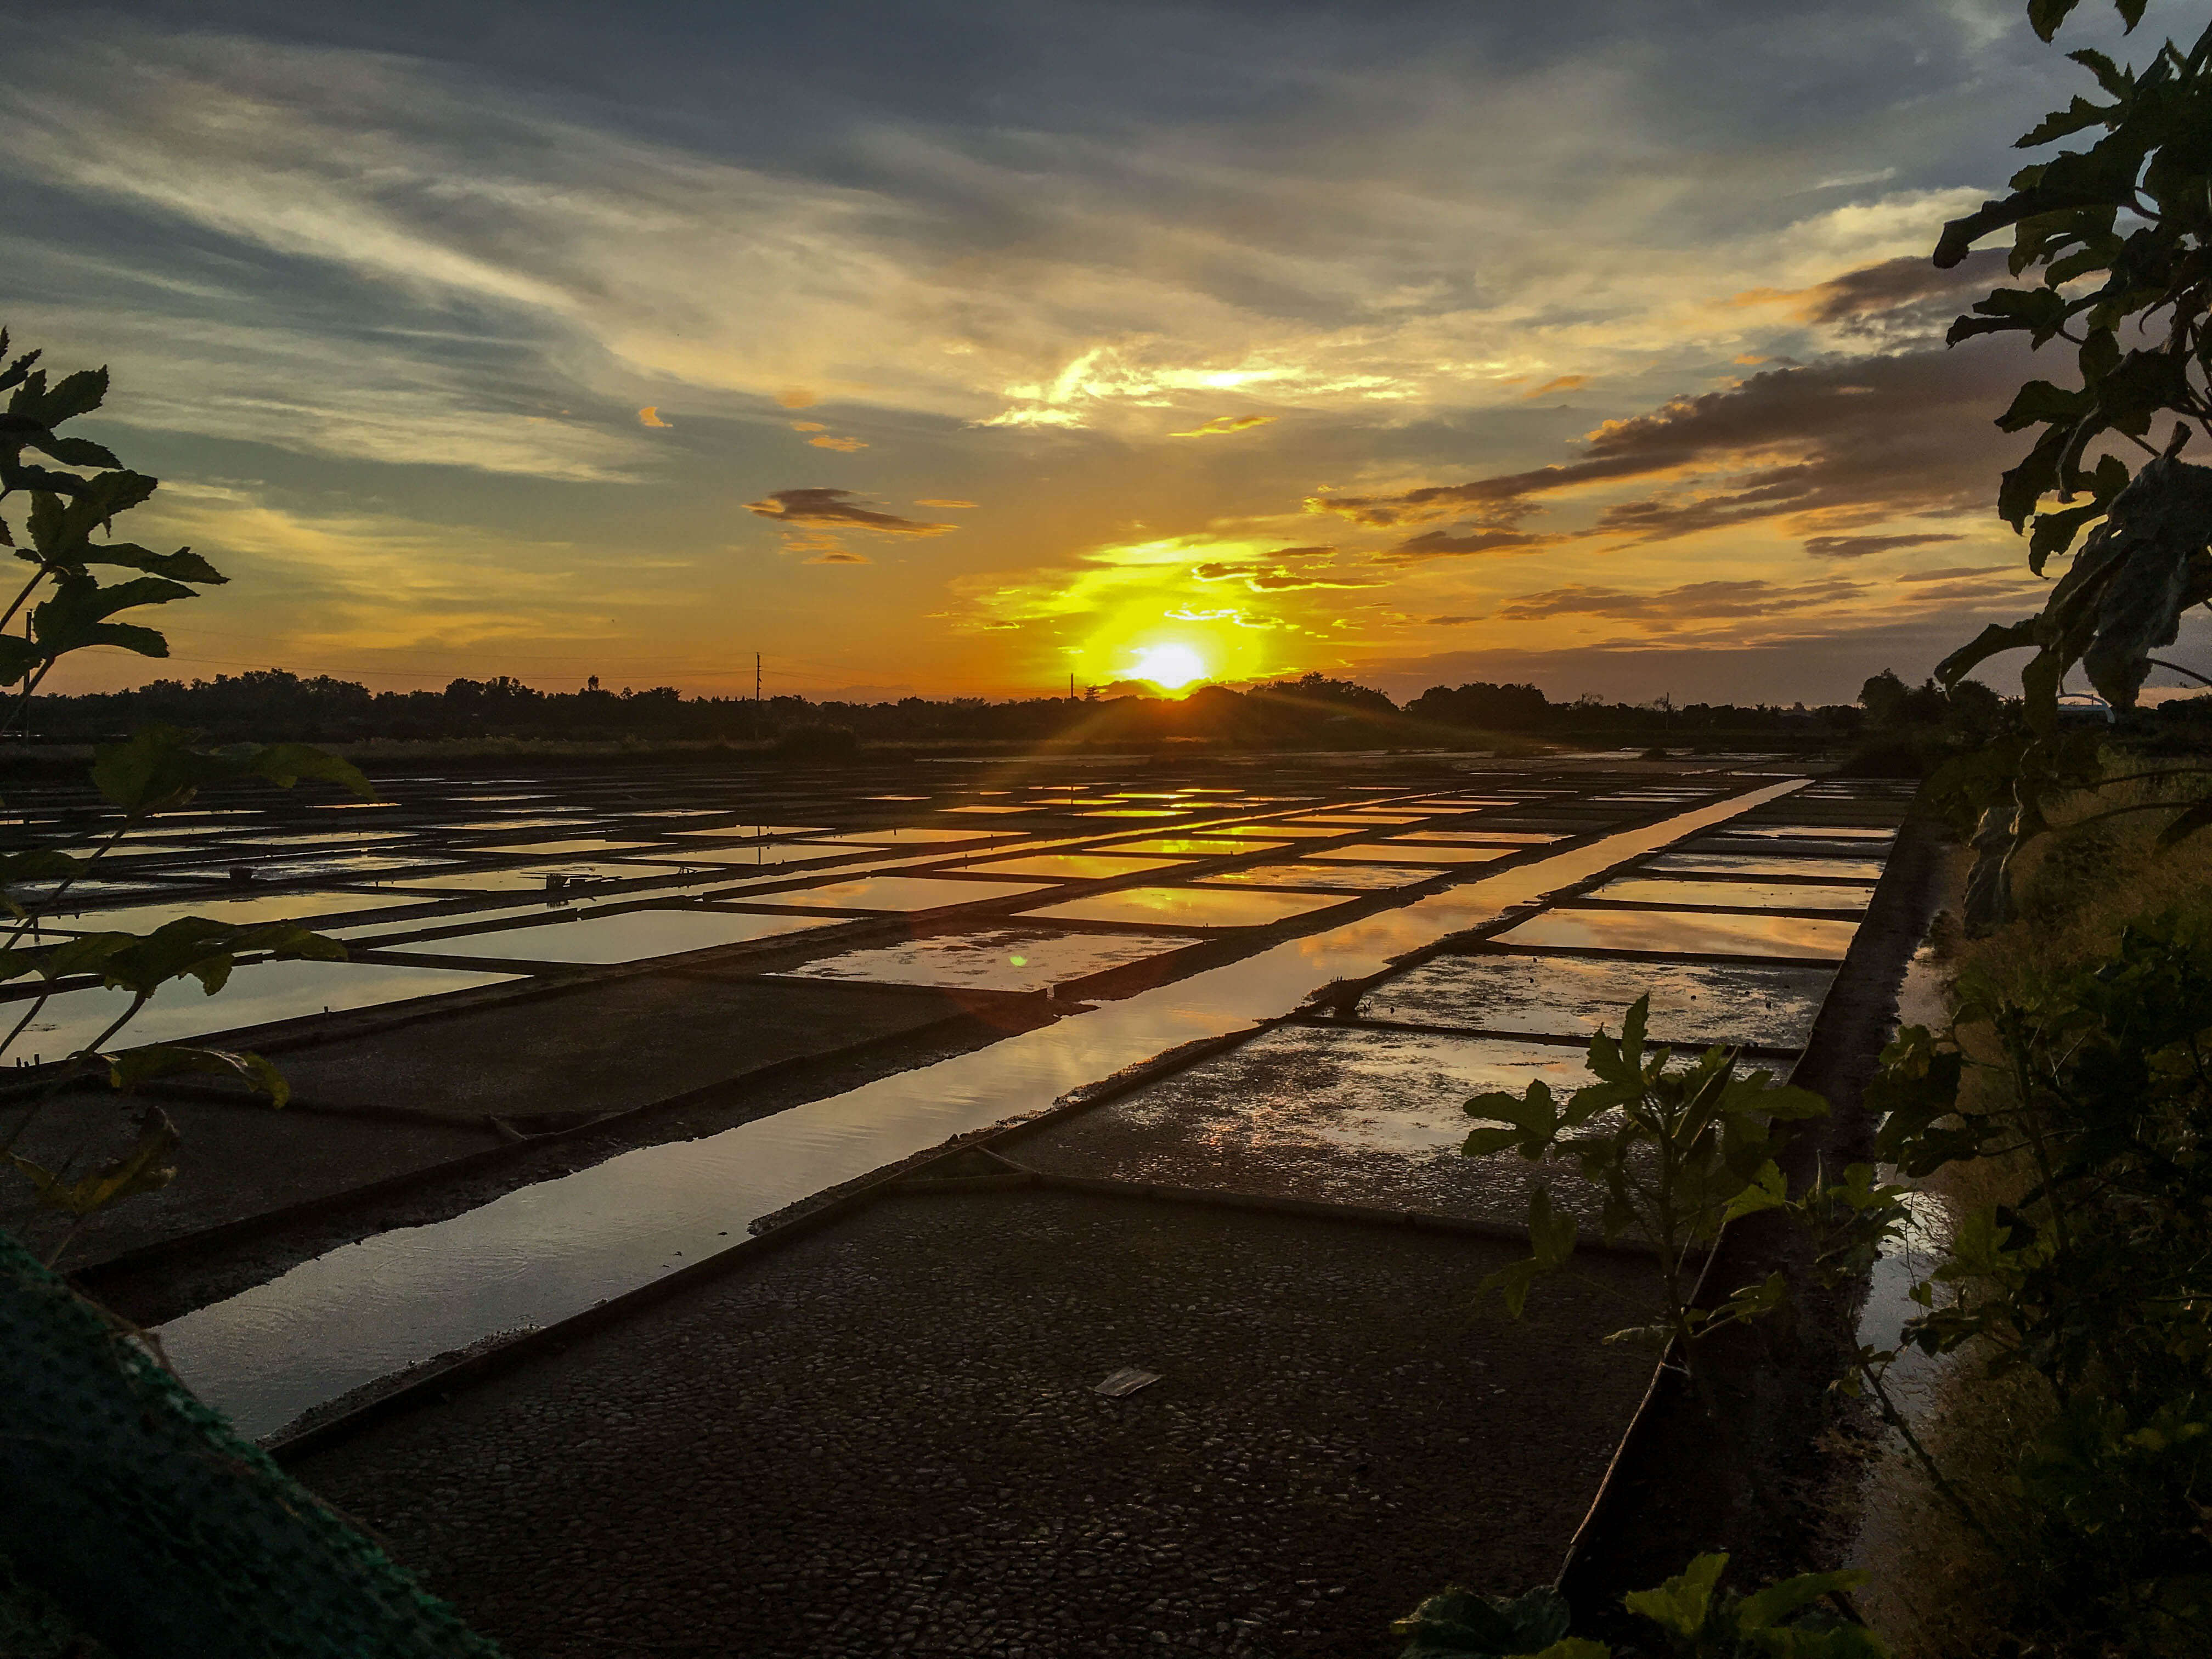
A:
x: 2094, y: 1284
x: 2121, y: 232
x: 1694, y: 1617
x: 69, y: 521
x: 1678, y: 1152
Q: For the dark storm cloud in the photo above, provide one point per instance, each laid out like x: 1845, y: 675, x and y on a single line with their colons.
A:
x: 840, y: 509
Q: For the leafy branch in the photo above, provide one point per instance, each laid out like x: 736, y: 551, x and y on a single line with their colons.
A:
x: 67, y: 607
x: 2120, y: 231
x: 1677, y: 1152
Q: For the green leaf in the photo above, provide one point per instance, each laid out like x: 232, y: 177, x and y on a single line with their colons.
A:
x: 75, y: 452
x: 285, y: 764
x: 1766, y: 1190
x: 2059, y: 123
x: 87, y: 953
x: 1988, y: 643
x: 1511, y: 1283
x: 2039, y: 401
x: 1481, y: 1143
x: 18, y: 657
x: 128, y: 1070
x: 2196, y: 817
x: 75, y: 394
x: 1553, y: 1237
x: 1460, y: 1622
x: 184, y: 565
x: 1764, y: 1609
x: 1681, y: 1606
x: 2054, y: 534
x: 143, y: 1168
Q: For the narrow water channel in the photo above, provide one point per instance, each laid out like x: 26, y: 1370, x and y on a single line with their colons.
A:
x: 547, y: 1251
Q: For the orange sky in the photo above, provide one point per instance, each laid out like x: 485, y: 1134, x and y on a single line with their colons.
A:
x: 954, y: 350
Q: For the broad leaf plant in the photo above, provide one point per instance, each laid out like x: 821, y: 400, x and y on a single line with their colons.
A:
x: 66, y: 493
x: 2118, y: 233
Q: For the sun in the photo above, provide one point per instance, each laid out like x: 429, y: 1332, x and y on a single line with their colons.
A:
x: 1169, y: 666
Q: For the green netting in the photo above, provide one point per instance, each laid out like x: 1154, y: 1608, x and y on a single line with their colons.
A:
x: 152, y: 1525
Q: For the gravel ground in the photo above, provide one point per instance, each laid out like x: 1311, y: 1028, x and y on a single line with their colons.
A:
x: 884, y: 1440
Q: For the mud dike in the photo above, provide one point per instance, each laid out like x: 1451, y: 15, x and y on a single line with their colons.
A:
x: 829, y: 1143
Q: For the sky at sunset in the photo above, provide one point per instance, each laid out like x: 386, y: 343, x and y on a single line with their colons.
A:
x: 959, y: 348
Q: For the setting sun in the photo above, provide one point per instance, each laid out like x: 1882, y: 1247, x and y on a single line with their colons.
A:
x: 1169, y: 666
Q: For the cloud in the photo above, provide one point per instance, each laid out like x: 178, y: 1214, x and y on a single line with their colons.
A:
x: 837, y: 556
x: 650, y: 416
x: 1449, y: 622
x: 808, y: 426
x: 1666, y: 610
x: 1857, y: 547
x: 843, y: 446
x: 796, y: 397
x: 948, y: 505
x: 1951, y: 572
x: 1565, y: 383
x: 1442, y: 545
x: 1831, y: 446
x: 841, y: 508
x: 1224, y: 423
x: 1905, y: 295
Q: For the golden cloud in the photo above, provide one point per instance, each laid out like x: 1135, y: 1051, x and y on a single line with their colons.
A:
x: 1224, y: 423
x: 650, y: 416
x: 842, y: 445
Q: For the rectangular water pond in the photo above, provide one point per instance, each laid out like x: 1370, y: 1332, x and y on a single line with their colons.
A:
x: 1477, y: 836
x: 1072, y: 867
x: 1187, y: 907
x: 925, y: 835
x: 1735, y: 895
x: 244, y: 912
x: 1334, y: 877
x: 1753, y: 864
x: 897, y: 893
x: 342, y: 866
x: 1363, y: 820
x: 1393, y: 852
x: 1686, y: 932
x: 993, y: 959
x: 1693, y: 1004
x: 580, y: 844
x: 1193, y: 847
x: 258, y: 994
x: 1810, y: 832
x: 627, y: 936
x: 1345, y: 1116
x: 751, y: 832
x: 531, y: 877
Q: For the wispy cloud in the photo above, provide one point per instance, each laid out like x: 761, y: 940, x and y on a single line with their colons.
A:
x: 1221, y: 423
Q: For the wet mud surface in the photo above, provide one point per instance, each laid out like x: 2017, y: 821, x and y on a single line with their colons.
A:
x: 882, y: 1440
x: 1693, y: 1004
x: 1351, y: 1115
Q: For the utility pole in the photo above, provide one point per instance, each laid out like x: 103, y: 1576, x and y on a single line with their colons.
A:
x: 756, y: 680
